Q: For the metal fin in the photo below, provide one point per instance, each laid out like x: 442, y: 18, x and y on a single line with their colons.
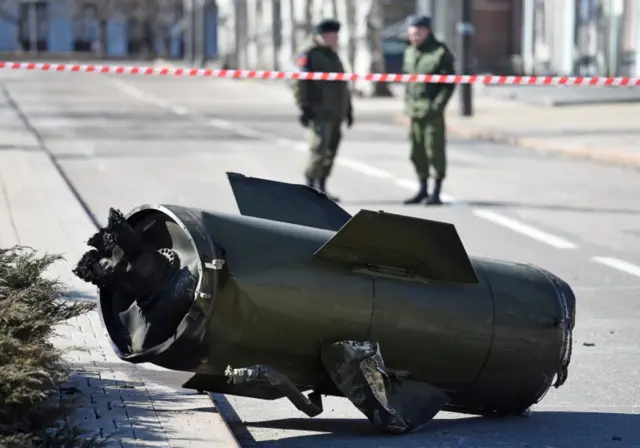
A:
x: 284, y: 202
x: 412, y: 246
x: 392, y: 404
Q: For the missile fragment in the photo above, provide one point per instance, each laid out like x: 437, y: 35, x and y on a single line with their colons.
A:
x: 296, y: 298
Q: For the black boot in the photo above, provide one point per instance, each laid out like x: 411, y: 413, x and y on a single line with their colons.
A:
x: 434, y: 199
x: 322, y: 186
x: 420, y: 196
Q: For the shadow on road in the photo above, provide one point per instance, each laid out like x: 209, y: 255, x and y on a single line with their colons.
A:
x: 504, y: 204
x: 397, y: 202
x: 538, y: 430
x: 557, y: 207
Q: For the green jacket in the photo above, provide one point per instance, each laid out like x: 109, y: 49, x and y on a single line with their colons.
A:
x: 326, y: 100
x: 432, y: 57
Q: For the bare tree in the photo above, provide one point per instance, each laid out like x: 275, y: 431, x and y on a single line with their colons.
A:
x: 375, y: 25
x: 169, y: 14
x: 156, y: 18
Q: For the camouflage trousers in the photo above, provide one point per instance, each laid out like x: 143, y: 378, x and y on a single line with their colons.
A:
x: 428, y: 146
x: 323, y: 146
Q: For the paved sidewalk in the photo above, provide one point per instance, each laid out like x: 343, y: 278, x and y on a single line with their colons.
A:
x: 38, y: 209
x: 602, y: 132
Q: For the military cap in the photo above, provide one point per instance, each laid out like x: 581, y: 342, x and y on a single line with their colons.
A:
x: 419, y: 21
x: 327, y: 26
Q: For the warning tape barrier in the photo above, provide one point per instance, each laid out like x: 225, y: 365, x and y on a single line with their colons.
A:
x: 317, y: 76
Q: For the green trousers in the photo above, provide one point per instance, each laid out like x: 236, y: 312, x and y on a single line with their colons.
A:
x: 323, y: 146
x: 428, y: 147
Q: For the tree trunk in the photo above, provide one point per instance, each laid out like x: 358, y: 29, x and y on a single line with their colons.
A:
x: 375, y: 24
x: 308, y: 17
x: 101, y: 41
x: 166, y: 46
x: 149, y: 39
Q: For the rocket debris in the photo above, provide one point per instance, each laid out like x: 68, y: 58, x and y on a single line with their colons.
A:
x: 300, y: 297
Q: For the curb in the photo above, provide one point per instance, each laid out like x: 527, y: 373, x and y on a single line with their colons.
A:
x: 594, y: 154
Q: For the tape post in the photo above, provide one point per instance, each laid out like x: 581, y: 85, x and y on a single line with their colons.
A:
x: 317, y: 76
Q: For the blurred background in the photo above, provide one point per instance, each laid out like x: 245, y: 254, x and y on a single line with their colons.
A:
x: 567, y: 37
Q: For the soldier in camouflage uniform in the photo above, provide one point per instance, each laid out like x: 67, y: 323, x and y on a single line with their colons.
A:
x: 425, y: 104
x: 324, y: 105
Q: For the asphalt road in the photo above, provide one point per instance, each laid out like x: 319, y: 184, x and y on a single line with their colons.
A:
x: 124, y: 141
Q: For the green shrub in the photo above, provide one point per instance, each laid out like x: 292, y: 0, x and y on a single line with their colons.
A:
x: 32, y: 412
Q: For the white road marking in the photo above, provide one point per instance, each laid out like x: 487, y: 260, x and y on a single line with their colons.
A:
x: 525, y: 229
x: 179, y: 110
x: 223, y: 124
x: 249, y: 133
x: 129, y: 90
x: 620, y: 265
x: 407, y: 184
x: 363, y: 168
x: 355, y: 165
x: 285, y: 141
x: 300, y: 147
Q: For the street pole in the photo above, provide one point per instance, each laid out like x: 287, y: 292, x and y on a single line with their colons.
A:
x: 465, y: 30
x: 189, y: 38
x: 200, y: 33
x: 33, y: 27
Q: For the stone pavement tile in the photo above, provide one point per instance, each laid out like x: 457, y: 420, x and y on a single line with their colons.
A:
x: 38, y: 209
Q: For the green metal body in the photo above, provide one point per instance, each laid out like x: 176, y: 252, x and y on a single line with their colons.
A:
x: 262, y: 297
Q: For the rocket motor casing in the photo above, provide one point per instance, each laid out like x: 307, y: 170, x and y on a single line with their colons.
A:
x: 493, y: 345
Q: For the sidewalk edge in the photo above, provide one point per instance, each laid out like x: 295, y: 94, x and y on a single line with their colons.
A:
x: 50, y: 163
x: 598, y: 155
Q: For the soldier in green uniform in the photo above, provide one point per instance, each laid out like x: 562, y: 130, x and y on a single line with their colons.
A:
x: 425, y: 104
x: 324, y: 105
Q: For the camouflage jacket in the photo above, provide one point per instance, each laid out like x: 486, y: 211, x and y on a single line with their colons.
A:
x: 432, y: 57
x: 326, y: 100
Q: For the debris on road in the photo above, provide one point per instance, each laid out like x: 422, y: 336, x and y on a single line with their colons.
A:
x: 287, y: 289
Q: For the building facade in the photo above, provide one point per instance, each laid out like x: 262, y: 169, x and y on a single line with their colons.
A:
x: 497, y: 24
x: 581, y: 37
x: 60, y: 26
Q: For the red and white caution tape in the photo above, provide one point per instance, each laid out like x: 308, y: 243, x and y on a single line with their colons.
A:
x: 379, y: 77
